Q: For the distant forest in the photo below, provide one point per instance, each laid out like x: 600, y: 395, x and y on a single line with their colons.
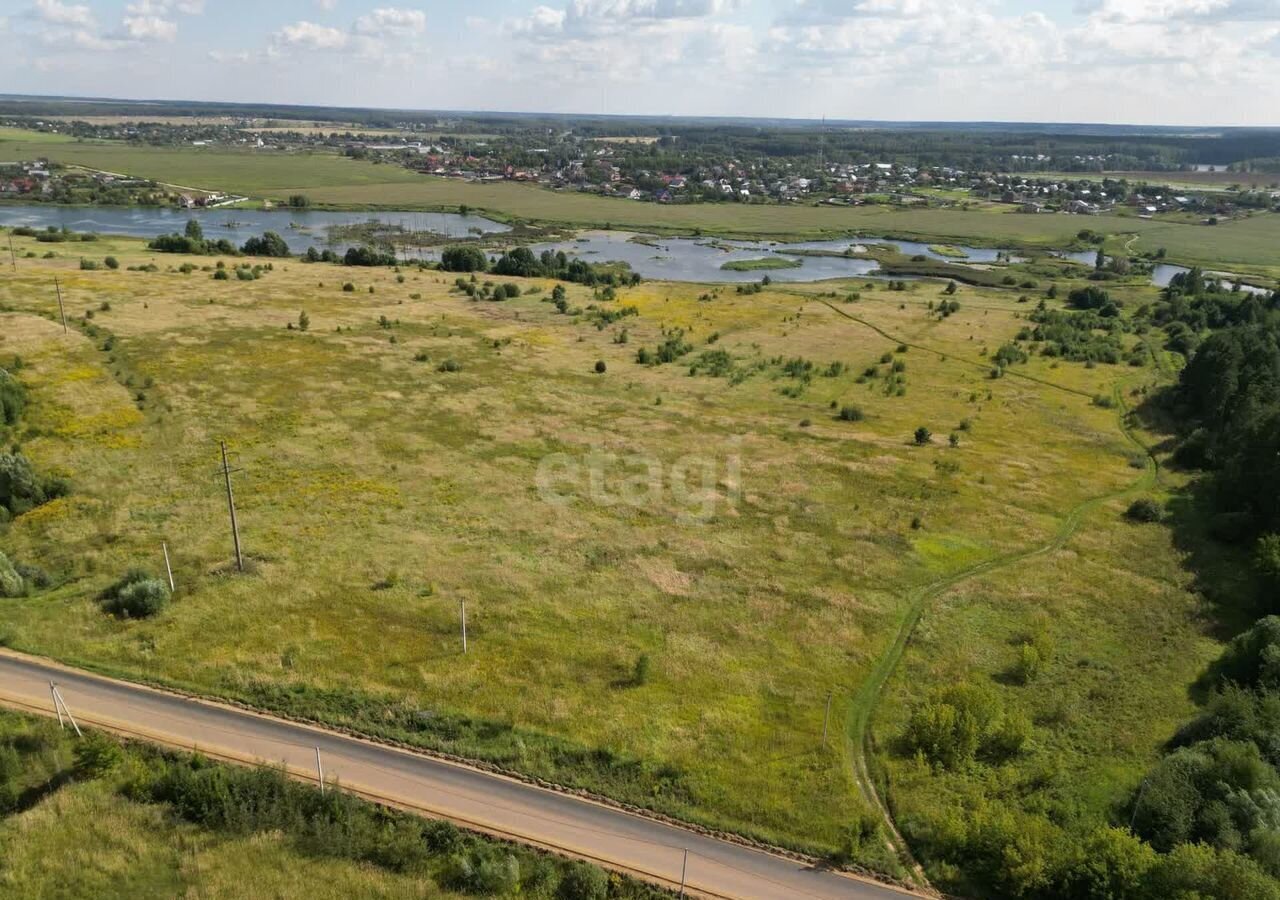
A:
x: 968, y: 145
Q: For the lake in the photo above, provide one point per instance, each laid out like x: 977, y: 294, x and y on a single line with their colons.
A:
x: 697, y: 259
x: 300, y: 228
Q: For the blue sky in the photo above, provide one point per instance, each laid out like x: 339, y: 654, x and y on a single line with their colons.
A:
x: 1142, y: 61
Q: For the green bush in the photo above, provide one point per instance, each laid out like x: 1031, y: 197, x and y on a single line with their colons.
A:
x: 583, y: 882
x: 111, y: 262
x: 135, y: 596
x: 21, y: 490
x: 1144, y: 509
x: 96, y: 755
x: 463, y: 259
x: 851, y: 413
x: 12, y: 583
x: 13, y: 398
x: 923, y: 436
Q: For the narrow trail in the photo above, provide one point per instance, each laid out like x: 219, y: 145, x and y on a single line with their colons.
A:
x: 858, y: 722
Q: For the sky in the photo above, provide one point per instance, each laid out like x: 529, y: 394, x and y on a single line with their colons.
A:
x: 1175, y: 62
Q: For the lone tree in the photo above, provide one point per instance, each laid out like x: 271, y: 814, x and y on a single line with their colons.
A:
x: 600, y: 367
x: 194, y: 231
x: 304, y: 321
x: 923, y: 436
x: 950, y: 288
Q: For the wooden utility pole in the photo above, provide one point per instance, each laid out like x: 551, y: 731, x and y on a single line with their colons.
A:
x: 168, y: 568
x: 61, y: 309
x: 464, y: 625
x: 320, y: 771
x: 231, y: 507
x: 684, y: 869
x: 61, y: 707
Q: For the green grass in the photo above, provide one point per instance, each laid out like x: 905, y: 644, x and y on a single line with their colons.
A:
x: 763, y: 262
x: 949, y: 251
x: 376, y: 492
x: 119, y: 831
x: 332, y: 180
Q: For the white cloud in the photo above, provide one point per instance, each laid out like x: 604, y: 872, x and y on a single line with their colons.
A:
x: 149, y: 28
x: 310, y: 36
x: 391, y: 21
x: 326, y: 4
x: 55, y: 12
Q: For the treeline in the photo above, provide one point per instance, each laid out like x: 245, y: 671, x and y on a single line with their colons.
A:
x: 521, y: 262
x: 1219, y: 784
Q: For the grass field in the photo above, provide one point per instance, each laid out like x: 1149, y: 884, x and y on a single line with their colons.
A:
x: 756, y: 550
x: 331, y: 180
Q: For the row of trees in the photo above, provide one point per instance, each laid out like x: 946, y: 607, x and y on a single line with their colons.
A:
x: 521, y: 262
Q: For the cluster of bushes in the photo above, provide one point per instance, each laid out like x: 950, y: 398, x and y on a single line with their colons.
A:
x: 138, y: 595
x: 192, y: 241
x: 520, y: 262
x: 1087, y: 336
x: 22, y: 489
x: 337, y: 825
x: 367, y: 256
x: 54, y: 235
x: 673, y: 347
x: 270, y: 244
x: 962, y: 724
x: 19, y: 579
x: 487, y: 290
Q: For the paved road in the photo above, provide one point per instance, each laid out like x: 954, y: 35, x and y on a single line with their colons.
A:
x: 471, y: 797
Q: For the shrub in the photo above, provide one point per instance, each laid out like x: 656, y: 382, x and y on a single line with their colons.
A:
x: 21, y: 490
x: 1027, y: 665
x: 88, y: 265
x: 13, y: 398
x: 221, y: 275
x: 949, y: 729
x: 449, y: 365
x: 1252, y: 658
x: 851, y: 413
x: 135, y: 596
x: 601, y: 368
x: 463, y: 259
x: 270, y: 244
x: 923, y: 436
x: 96, y: 755
x: 11, y: 582
x: 583, y: 882
x: 1144, y: 509
x: 349, y: 288
x: 640, y: 672
x: 304, y: 321
x: 111, y: 262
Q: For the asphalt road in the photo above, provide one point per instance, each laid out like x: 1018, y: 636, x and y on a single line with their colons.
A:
x: 481, y: 800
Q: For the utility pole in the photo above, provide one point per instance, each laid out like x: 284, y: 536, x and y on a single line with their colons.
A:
x: 61, y: 706
x: 61, y: 310
x: 320, y: 771
x: 464, y: 625
x: 13, y: 257
x: 231, y: 506
x: 684, y: 868
x: 168, y: 568
x: 826, y: 719
x: 53, y: 692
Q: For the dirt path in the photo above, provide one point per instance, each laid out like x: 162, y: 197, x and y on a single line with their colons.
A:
x: 858, y: 730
